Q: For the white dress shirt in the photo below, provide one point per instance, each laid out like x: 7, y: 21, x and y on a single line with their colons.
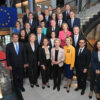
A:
x: 15, y: 45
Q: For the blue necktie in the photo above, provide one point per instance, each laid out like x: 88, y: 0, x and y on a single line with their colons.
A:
x: 39, y: 39
x: 17, y: 49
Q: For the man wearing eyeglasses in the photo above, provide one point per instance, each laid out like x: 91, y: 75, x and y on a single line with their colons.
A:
x: 83, y: 56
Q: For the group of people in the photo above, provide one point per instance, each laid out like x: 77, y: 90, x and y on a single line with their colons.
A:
x: 51, y: 43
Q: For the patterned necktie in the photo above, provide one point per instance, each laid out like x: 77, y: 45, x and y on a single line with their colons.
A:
x: 17, y: 49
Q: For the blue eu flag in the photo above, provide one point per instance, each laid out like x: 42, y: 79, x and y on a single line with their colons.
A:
x: 8, y: 17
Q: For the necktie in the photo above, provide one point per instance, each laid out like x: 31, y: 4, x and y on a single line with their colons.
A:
x: 39, y: 39
x: 59, y: 23
x: 75, y: 40
x: 17, y: 49
x: 72, y: 21
x: 80, y: 51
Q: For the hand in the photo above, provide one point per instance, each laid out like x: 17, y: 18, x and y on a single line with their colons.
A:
x: 26, y: 65
x: 53, y: 62
x: 71, y: 68
x: 43, y: 67
x: 85, y: 70
x: 97, y: 71
x: 10, y: 68
x: 38, y: 63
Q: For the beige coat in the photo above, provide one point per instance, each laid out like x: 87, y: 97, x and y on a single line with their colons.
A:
x: 61, y: 56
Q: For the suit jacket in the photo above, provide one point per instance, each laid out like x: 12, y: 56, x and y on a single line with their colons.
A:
x: 42, y: 37
x: 47, y: 23
x: 95, y: 63
x: 32, y: 56
x: 13, y: 59
x: 36, y: 15
x: 61, y: 24
x: 83, y: 60
x: 42, y: 55
x: 25, y: 19
x: 75, y: 23
x: 49, y: 31
x: 33, y: 25
x: 73, y: 43
x: 66, y: 16
x: 61, y: 56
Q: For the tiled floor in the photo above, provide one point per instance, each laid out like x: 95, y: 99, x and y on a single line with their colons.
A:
x: 50, y: 94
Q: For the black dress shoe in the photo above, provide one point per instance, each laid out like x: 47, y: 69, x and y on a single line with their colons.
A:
x: 90, y: 97
x: 98, y: 98
x: 48, y: 86
x: 43, y: 87
x: 77, y: 89
x: 68, y: 91
x: 37, y: 85
x: 58, y: 88
x: 32, y: 85
x: 82, y: 92
x: 23, y: 89
x: 54, y: 87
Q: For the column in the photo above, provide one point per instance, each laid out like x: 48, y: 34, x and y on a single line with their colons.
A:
x: 30, y: 5
x: 54, y: 3
x: 8, y: 3
x: 79, y: 5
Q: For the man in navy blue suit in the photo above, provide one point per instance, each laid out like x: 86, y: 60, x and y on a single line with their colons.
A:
x: 73, y: 21
x: 66, y: 14
x: 32, y: 22
x: 16, y: 61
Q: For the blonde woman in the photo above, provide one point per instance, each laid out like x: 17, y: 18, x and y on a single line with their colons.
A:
x: 69, y: 61
x: 63, y: 34
x: 57, y: 58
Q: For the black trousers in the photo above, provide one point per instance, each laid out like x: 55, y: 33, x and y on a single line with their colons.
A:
x: 18, y: 74
x: 33, y: 73
x: 92, y: 79
x: 46, y: 73
x: 81, y: 78
x: 57, y: 75
x: 98, y: 84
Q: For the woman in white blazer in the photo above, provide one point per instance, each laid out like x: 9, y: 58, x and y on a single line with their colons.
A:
x: 57, y: 58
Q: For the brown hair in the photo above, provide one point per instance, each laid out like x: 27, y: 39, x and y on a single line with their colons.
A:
x: 95, y: 45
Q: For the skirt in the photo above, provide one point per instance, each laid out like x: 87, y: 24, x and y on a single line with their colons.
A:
x: 67, y: 72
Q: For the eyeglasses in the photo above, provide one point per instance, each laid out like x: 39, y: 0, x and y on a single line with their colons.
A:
x: 82, y: 42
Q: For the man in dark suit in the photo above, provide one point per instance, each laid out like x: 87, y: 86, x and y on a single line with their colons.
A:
x: 50, y: 10
x: 83, y: 56
x: 47, y: 18
x: 32, y: 22
x: 28, y: 28
x: 53, y: 28
x: 25, y: 17
x: 66, y: 14
x: 38, y: 12
x: 40, y: 36
x: 16, y: 61
x: 76, y: 36
x: 60, y: 20
x: 73, y: 21
x: 40, y: 18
